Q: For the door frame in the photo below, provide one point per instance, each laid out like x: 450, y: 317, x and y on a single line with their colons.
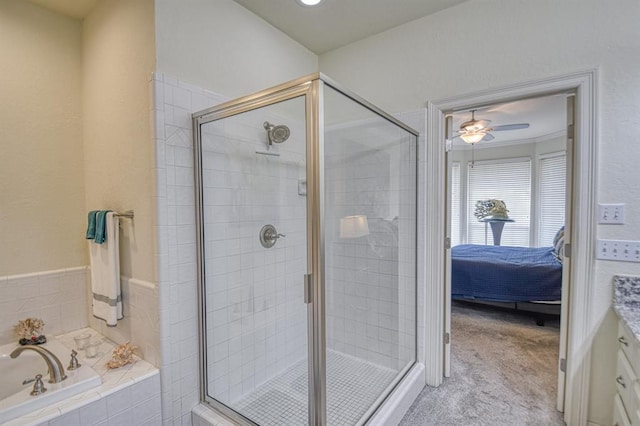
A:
x: 584, y: 178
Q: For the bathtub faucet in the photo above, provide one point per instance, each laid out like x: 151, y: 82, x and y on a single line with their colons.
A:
x: 56, y: 371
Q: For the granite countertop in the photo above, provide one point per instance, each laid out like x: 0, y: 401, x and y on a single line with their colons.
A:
x: 626, y: 301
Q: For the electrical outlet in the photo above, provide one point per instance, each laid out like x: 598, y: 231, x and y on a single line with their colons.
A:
x: 620, y: 250
x: 612, y: 214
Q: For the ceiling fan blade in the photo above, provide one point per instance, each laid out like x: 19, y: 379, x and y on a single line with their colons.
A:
x: 511, y: 127
x: 488, y: 137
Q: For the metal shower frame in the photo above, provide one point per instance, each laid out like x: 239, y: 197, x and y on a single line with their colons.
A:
x: 312, y: 88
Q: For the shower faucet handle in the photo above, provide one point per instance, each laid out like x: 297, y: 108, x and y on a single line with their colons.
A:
x: 269, y: 236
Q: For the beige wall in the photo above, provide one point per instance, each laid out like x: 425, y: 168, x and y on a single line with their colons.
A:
x: 118, y: 59
x: 42, y: 215
x: 482, y: 44
x: 221, y: 46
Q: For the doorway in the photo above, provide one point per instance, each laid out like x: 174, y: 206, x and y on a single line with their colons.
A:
x: 576, y: 367
x: 507, y: 194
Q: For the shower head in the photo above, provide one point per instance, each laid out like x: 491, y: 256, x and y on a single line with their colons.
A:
x: 277, y: 134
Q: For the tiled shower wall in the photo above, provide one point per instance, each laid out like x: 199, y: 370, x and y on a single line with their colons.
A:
x: 253, y: 290
x: 174, y: 101
x: 371, y: 279
x: 256, y: 318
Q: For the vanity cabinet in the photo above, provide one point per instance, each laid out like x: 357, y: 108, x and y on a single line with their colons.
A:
x: 626, y: 406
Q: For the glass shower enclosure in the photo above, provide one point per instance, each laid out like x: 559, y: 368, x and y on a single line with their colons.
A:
x: 306, y: 219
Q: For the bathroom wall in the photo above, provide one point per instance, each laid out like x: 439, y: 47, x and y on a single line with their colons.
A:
x: 220, y: 45
x: 119, y: 167
x: 41, y: 153
x: 117, y: 62
x: 535, y: 40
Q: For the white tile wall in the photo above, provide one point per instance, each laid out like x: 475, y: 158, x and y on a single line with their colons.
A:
x: 255, y: 311
x: 417, y: 120
x: 57, y: 297
x: 371, y: 279
x: 173, y: 103
x: 140, y: 324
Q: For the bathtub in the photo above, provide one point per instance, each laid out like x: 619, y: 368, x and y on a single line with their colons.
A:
x: 15, y: 399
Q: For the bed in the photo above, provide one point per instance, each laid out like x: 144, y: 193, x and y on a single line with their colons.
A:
x: 515, y: 277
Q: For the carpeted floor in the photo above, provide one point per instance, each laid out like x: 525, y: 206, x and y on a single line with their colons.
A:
x: 503, y: 372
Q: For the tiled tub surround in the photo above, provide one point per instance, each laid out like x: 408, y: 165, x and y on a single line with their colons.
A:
x: 58, y: 297
x: 140, y: 323
x: 15, y: 395
x: 626, y: 301
x: 128, y: 396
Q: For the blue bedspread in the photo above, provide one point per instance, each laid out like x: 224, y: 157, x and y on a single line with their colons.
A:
x: 505, y: 274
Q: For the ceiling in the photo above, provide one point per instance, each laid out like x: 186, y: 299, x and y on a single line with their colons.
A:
x: 546, y: 117
x: 336, y: 23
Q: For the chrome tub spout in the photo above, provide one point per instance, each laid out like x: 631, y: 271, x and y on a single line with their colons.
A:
x: 56, y: 371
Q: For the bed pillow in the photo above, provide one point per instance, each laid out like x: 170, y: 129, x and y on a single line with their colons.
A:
x: 558, y: 244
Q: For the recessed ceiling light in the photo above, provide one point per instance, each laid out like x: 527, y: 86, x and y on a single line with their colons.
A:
x: 309, y: 2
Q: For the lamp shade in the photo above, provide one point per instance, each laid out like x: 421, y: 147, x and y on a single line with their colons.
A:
x: 354, y: 226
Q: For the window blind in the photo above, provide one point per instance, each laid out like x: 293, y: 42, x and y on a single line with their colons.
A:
x: 455, y: 203
x: 509, y: 181
x: 552, y: 181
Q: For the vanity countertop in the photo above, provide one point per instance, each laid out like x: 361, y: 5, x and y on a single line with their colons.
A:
x: 626, y: 301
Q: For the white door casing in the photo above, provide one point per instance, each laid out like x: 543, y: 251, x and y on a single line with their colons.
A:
x: 584, y: 179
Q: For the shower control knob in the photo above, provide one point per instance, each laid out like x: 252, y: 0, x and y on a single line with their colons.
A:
x: 269, y: 236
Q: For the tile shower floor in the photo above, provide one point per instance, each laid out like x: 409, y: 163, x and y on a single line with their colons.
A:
x: 353, y: 385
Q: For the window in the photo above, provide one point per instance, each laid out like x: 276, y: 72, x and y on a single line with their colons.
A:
x: 455, y: 203
x: 509, y: 181
x: 552, y: 183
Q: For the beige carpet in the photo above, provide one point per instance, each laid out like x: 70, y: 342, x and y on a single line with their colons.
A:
x: 503, y: 373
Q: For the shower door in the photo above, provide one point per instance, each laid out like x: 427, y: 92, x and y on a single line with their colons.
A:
x: 253, y: 211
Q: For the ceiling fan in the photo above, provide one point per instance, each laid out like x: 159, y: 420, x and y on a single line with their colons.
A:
x: 474, y: 131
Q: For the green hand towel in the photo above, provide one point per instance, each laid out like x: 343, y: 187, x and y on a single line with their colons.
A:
x: 91, y: 225
x: 101, y: 226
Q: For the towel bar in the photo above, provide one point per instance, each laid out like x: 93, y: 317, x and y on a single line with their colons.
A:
x: 128, y: 214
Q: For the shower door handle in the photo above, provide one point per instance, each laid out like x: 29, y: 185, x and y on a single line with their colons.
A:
x: 308, y: 288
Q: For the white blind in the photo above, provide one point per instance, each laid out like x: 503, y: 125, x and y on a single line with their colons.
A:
x: 509, y: 181
x: 455, y: 203
x: 552, y: 181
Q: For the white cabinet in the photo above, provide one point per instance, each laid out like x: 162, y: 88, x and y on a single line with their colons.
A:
x: 626, y: 406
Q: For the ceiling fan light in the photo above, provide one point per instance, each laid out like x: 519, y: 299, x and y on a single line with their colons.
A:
x: 473, y: 137
x: 309, y: 2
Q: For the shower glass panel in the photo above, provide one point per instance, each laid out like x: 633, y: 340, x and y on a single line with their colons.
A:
x: 306, y: 219
x: 254, y: 258
x: 370, y: 255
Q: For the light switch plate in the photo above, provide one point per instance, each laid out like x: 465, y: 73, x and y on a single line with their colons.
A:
x: 612, y: 214
x: 620, y: 250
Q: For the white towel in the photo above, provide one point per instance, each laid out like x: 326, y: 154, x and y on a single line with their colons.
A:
x: 105, y: 274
